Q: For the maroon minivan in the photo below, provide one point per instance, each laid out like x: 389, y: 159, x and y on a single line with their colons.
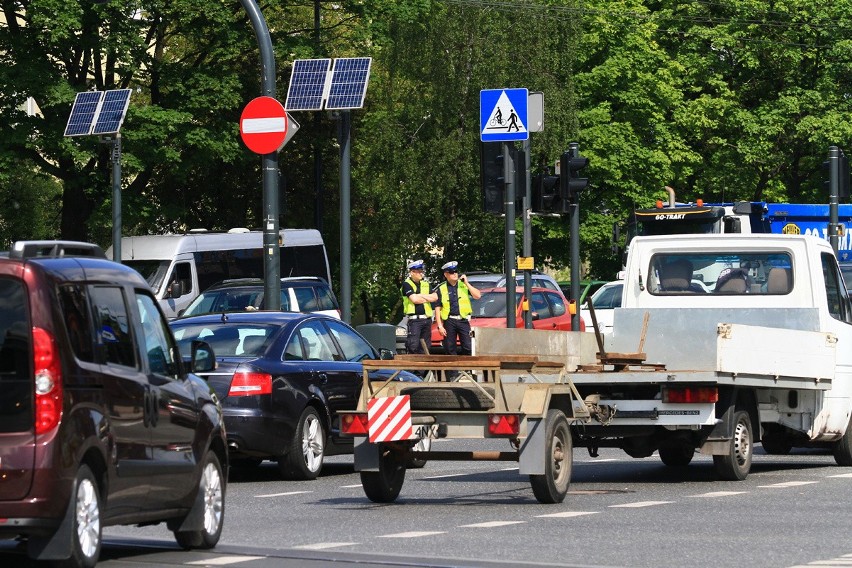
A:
x: 100, y: 421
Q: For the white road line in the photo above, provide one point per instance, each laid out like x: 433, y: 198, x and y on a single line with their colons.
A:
x: 568, y: 514
x: 642, y: 504
x: 281, y: 494
x: 491, y: 524
x: 841, y: 475
x: 788, y: 484
x: 833, y: 562
x: 224, y: 560
x: 350, y: 486
x: 411, y: 534
x: 596, y: 460
x: 720, y: 494
x: 324, y: 545
x: 449, y: 475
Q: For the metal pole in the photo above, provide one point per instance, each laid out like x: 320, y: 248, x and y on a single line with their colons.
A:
x: 574, y: 151
x: 116, y: 198
x: 271, y: 247
x: 345, y: 212
x: 833, y: 200
x: 318, y: 187
x: 527, y: 233
x: 509, y: 196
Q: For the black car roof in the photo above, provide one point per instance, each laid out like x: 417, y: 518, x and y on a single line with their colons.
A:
x: 86, y: 268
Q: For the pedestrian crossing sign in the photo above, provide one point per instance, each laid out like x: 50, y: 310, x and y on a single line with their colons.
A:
x: 503, y: 115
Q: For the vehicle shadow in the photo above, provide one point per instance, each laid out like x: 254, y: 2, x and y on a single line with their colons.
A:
x: 268, y: 471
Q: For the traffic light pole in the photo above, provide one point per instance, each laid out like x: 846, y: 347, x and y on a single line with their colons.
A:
x: 833, y: 197
x: 509, y: 195
x: 574, y: 216
x: 527, y: 234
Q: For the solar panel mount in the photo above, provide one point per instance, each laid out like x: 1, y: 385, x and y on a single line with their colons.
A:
x: 98, y: 112
x: 313, y: 86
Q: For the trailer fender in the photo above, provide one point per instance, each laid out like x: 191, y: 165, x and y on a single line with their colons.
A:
x: 730, y: 401
x: 366, y: 454
x: 531, y: 460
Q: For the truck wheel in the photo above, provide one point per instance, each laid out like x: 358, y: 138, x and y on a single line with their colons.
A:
x: 553, y: 485
x: 455, y: 398
x: 86, y: 534
x: 735, y: 465
x: 383, y: 486
x: 211, y: 496
x: 676, y: 455
x: 304, y: 457
x: 843, y: 448
x: 422, y: 445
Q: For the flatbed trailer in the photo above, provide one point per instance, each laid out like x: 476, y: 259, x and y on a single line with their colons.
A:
x: 468, y: 398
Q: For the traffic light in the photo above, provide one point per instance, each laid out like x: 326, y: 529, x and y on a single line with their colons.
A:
x: 545, y: 193
x: 491, y: 176
x: 842, y: 172
x: 843, y: 184
x: 570, y: 182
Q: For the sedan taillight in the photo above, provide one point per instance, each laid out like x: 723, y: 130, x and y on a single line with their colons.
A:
x: 48, y: 381
x: 249, y: 384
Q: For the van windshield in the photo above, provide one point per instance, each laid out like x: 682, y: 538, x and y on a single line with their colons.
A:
x: 154, y: 271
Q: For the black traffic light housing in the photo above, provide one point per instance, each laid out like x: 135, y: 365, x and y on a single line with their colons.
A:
x: 491, y: 175
x: 570, y: 182
x: 545, y: 193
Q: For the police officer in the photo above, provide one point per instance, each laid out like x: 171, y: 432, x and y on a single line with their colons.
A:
x: 453, y: 309
x: 416, y: 304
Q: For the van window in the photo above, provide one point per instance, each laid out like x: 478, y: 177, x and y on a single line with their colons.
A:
x: 16, y: 411
x: 326, y: 299
x: 78, y: 321
x: 159, y: 348
x: 153, y: 271
x: 183, y: 273
x: 835, y: 291
x: 113, y: 325
x: 304, y: 261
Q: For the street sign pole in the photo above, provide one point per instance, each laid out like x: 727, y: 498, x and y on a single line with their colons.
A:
x: 509, y: 167
x: 574, y: 214
x: 116, y: 198
x: 271, y: 258
x: 345, y: 221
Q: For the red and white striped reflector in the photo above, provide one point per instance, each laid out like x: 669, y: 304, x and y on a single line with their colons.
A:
x: 389, y: 418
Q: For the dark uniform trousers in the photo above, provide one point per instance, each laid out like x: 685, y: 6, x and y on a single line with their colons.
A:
x: 418, y: 329
x: 457, y: 328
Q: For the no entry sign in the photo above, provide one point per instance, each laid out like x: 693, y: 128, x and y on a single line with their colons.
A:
x: 263, y: 125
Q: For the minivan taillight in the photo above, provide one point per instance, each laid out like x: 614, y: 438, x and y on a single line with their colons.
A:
x: 250, y: 384
x: 48, y: 381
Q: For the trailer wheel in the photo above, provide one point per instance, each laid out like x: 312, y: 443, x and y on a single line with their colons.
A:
x: 843, y: 448
x: 553, y: 485
x: 677, y: 455
x: 735, y: 465
x: 383, y: 486
x: 455, y: 398
x: 422, y: 445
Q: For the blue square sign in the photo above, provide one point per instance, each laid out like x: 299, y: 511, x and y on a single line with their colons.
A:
x: 503, y: 115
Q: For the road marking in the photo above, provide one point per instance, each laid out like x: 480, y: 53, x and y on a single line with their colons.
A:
x: 450, y: 475
x: 642, y: 504
x: 411, y: 534
x: 841, y: 475
x: 350, y: 486
x: 788, y: 484
x: 225, y: 560
x: 720, y: 494
x: 324, y: 545
x: 568, y: 514
x: 491, y: 524
x: 833, y: 562
x: 596, y: 460
x: 281, y: 494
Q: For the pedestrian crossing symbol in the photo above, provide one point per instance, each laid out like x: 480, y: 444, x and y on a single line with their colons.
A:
x: 503, y: 115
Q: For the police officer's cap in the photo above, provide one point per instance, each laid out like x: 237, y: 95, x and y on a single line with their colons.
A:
x: 415, y: 265
x: 450, y: 266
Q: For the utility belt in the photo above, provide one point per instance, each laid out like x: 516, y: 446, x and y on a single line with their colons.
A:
x: 458, y: 317
x: 419, y: 317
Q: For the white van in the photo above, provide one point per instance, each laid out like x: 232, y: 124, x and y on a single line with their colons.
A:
x: 179, y: 267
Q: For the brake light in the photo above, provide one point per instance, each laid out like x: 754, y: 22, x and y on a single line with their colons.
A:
x: 48, y: 381
x: 504, y: 424
x: 354, y: 423
x: 690, y: 394
x: 250, y: 384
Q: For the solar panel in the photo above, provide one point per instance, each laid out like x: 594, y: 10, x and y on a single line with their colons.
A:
x: 349, y: 83
x: 83, y: 112
x: 307, y: 84
x: 112, y: 112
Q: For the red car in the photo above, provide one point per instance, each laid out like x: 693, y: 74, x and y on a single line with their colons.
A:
x: 549, y: 311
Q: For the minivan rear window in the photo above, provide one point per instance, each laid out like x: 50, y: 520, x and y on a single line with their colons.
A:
x: 16, y: 387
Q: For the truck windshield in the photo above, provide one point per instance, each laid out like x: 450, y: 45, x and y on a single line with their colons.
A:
x: 154, y: 271
x: 722, y: 273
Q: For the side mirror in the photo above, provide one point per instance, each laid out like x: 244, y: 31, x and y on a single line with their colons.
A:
x: 534, y: 315
x: 175, y: 289
x: 203, y: 358
x: 385, y: 354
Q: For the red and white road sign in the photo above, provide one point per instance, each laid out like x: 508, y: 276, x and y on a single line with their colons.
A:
x: 389, y: 418
x: 263, y: 125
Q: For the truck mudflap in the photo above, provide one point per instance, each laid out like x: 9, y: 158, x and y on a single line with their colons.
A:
x: 475, y: 403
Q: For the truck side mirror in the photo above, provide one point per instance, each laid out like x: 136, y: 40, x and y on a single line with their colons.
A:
x: 732, y: 225
x: 175, y: 289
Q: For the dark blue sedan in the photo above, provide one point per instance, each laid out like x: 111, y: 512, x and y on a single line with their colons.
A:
x: 281, y: 378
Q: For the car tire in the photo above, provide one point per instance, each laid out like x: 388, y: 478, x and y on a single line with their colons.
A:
x: 86, y: 529
x: 455, y: 398
x: 211, y: 490
x: 305, y: 455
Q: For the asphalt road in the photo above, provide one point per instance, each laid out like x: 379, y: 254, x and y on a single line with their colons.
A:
x: 791, y: 511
